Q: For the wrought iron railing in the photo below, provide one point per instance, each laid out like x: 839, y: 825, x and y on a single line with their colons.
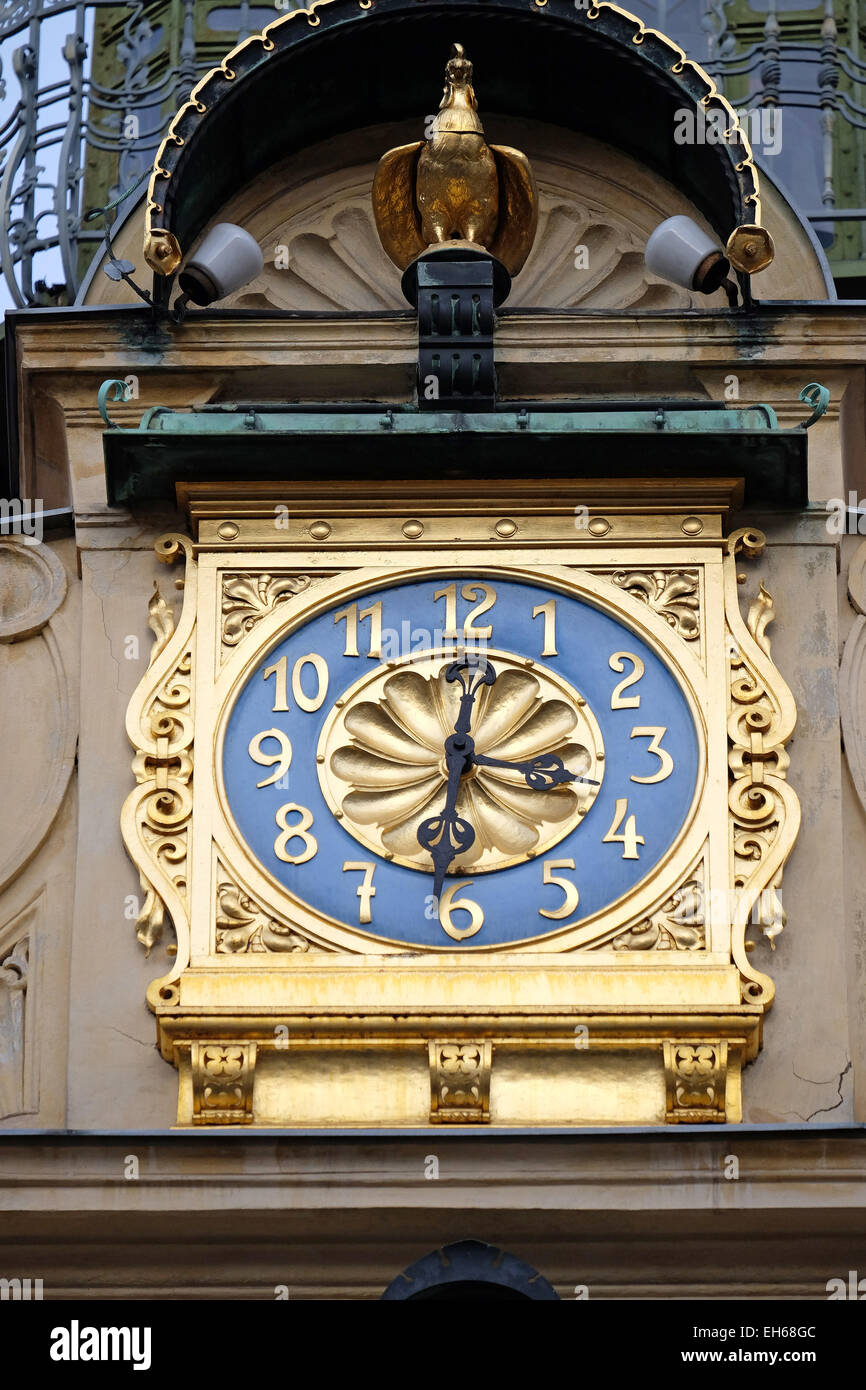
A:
x: 86, y: 91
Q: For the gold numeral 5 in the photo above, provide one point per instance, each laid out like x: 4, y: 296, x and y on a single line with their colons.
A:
x: 572, y: 897
x: 617, y: 699
x: 629, y: 839
x: 655, y: 736
x: 300, y: 831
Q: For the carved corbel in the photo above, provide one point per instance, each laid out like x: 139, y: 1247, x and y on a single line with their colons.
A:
x: 696, y: 1075
x: 223, y: 1074
x: 460, y: 1082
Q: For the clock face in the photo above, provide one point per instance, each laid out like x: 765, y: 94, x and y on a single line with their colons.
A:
x: 525, y: 740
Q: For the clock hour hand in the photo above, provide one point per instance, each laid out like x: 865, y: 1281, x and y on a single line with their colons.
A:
x: 448, y: 834
x: 540, y: 773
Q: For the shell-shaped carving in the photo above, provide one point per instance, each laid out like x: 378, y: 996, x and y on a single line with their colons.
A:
x: 391, y: 774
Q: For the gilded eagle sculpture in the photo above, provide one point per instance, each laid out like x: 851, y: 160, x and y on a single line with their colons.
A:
x: 454, y: 187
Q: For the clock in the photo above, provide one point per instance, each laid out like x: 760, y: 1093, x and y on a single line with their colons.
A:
x: 461, y: 758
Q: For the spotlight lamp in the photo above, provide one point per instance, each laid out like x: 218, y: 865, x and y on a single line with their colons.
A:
x: 227, y: 259
x: 678, y: 250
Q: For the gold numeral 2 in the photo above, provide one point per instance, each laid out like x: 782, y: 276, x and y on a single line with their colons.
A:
x: 617, y: 699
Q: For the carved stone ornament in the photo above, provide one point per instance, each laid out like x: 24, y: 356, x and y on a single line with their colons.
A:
x: 242, y: 926
x: 14, y: 977
x: 222, y: 1082
x: 852, y: 677
x: 460, y: 1082
x: 677, y: 925
x: 696, y: 1082
x: 247, y: 597
x: 673, y: 594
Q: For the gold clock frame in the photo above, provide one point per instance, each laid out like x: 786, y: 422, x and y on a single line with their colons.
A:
x: 277, y: 1016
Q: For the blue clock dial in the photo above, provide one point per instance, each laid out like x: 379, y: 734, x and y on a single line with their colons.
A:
x: 336, y: 764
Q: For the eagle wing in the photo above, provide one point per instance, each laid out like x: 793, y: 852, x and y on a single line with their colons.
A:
x: 394, y: 207
x: 518, y: 208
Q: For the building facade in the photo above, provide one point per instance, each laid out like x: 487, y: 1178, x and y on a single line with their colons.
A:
x: 256, y: 1036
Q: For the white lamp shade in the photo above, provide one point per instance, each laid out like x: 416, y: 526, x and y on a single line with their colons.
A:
x: 227, y: 258
x: 676, y: 249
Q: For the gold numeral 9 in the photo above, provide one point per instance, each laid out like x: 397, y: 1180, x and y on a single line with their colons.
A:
x: 281, y: 762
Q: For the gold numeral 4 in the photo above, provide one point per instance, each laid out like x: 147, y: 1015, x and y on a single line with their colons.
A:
x: 629, y: 839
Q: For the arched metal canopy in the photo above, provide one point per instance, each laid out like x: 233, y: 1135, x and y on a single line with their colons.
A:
x: 342, y: 64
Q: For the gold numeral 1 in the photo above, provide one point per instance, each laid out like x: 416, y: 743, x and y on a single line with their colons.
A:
x: 666, y: 762
x: 549, y: 611
x: 572, y: 897
x: 352, y: 617
x: 365, y: 889
x: 629, y: 839
x: 300, y: 831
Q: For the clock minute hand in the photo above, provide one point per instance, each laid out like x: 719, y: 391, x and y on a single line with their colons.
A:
x: 448, y: 834
x: 540, y: 773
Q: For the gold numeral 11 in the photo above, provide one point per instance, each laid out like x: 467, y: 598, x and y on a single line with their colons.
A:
x: 352, y: 618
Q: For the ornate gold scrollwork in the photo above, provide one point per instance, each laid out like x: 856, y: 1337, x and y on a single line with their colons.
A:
x: 696, y: 1082
x: 247, y: 597
x: 765, y: 811
x: 674, y: 594
x: 243, y: 926
x: 460, y: 1082
x: 678, y: 924
x: 222, y: 1082
x: 155, y: 819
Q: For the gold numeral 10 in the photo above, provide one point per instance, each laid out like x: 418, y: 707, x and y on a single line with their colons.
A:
x: 280, y: 672
x: 629, y: 839
x: 352, y: 617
